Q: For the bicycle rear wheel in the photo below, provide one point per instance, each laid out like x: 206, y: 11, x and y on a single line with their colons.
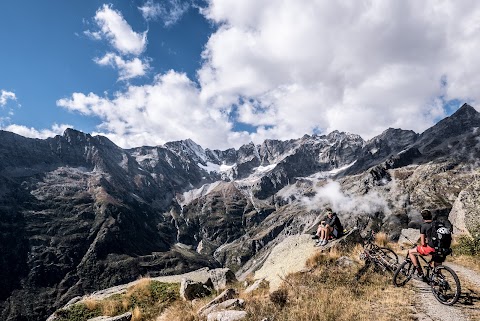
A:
x: 389, y: 257
x: 445, y: 285
x: 403, y: 274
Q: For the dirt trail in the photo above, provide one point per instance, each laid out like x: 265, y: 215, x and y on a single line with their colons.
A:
x: 472, y: 276
x: 428, y: 308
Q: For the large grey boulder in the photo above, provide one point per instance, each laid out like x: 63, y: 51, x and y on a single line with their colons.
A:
x: 226, y: 305
x: 465, y: 215
x: 409, y: 235
x: 228, y: 315
x: 190, y: 290
x: 226, y: 295
x: 254, y: 286
x: 220, y: 278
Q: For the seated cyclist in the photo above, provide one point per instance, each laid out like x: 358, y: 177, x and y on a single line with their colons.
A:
x: 425, y: 247
x: 330, y: 226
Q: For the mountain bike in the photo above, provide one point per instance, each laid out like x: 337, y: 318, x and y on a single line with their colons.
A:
x: 382, y: 258
x: 443, y: 281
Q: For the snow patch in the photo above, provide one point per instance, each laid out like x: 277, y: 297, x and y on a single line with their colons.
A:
x: 210, y: 167
x: 264, y: 169
x: 193, y: 194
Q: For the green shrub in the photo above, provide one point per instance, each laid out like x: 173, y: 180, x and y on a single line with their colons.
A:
x: 77, y: 312
x: 468, y: 245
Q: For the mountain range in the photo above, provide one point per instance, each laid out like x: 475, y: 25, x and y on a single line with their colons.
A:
x: 78, y: 213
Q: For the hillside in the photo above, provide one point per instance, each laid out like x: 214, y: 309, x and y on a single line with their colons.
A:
x: 79, y: 214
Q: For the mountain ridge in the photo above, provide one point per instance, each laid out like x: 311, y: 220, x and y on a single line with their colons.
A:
x: 79, y: 213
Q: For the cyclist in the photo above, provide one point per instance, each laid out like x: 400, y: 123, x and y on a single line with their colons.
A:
x: 425, y: 247
x: 330, y: 226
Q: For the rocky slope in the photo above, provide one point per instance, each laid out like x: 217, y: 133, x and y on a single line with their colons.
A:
x: 78, y: 213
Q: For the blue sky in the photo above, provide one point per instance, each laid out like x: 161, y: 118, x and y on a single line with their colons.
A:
x: 226, y: 72
x: 45, y: 55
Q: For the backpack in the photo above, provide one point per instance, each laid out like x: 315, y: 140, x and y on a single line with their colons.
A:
x: 440, y: 237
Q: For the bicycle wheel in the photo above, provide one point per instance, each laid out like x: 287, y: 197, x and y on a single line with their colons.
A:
x: 389, y: 257
x: 445, y: 285
x: 403, y: 274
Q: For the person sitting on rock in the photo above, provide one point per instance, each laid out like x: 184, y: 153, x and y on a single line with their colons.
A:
x: 330, y: 226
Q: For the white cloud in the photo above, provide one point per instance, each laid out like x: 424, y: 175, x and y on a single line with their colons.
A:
x: 118, y: 32
x: 34, y: 133
x: 127, y: 68
x: 358, y: 66
x: 298, y: 66
x: 169, y: 109
x: 169, y: 11
x: 95, y: 35
x: 332, y: 195
x: 5, y: 96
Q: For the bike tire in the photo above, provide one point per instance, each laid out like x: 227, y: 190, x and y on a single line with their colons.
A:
x: 403, y: 273
x: 391, y: 258
x: 441, y: 283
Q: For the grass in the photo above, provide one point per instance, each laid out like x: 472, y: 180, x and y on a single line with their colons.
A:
x: 326, y: 292
x: 145, y: 300
x: 329, y: 292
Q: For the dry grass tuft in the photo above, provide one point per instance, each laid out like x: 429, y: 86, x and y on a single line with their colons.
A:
x: 471, y: 262
x: 323, y: 258
x: 90, y: 304
x: 137, y: 314
x: 381, y: 239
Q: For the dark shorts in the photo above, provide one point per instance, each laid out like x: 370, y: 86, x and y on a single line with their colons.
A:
x: 336, y: 233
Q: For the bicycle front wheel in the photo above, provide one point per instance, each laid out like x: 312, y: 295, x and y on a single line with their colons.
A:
x: 403, y: 274
x: 445, y: 285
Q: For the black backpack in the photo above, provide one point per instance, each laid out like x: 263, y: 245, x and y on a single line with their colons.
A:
x: 440, y: 236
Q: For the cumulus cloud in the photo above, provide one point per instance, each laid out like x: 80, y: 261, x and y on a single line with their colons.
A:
x: 118, y: 32
x: 169, y: 109
x: 169, y: 11
x: 34, y: 133
x: 358, y: 66
x: 5, y: 96
x: 331, y: 195
x: 128, y: 69
x: 293, y: 67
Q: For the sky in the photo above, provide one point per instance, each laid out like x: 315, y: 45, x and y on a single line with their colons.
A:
x: 227, y: 72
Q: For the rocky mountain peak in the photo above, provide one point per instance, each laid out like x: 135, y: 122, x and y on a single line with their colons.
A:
x: 466, y: 110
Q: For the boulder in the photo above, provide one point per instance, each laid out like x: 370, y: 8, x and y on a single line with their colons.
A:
x: 220, y: 278
x: 344, y: 261
x: 346, y: 242
x: 289, y: 256
x: 226, y: 305
x: 190, y: 290
x: 228, y: 315
x: 124, y: 317
x: 256, y: 285
x: 464, y: 214
x: 409, y: 236
x: 228, y: 294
